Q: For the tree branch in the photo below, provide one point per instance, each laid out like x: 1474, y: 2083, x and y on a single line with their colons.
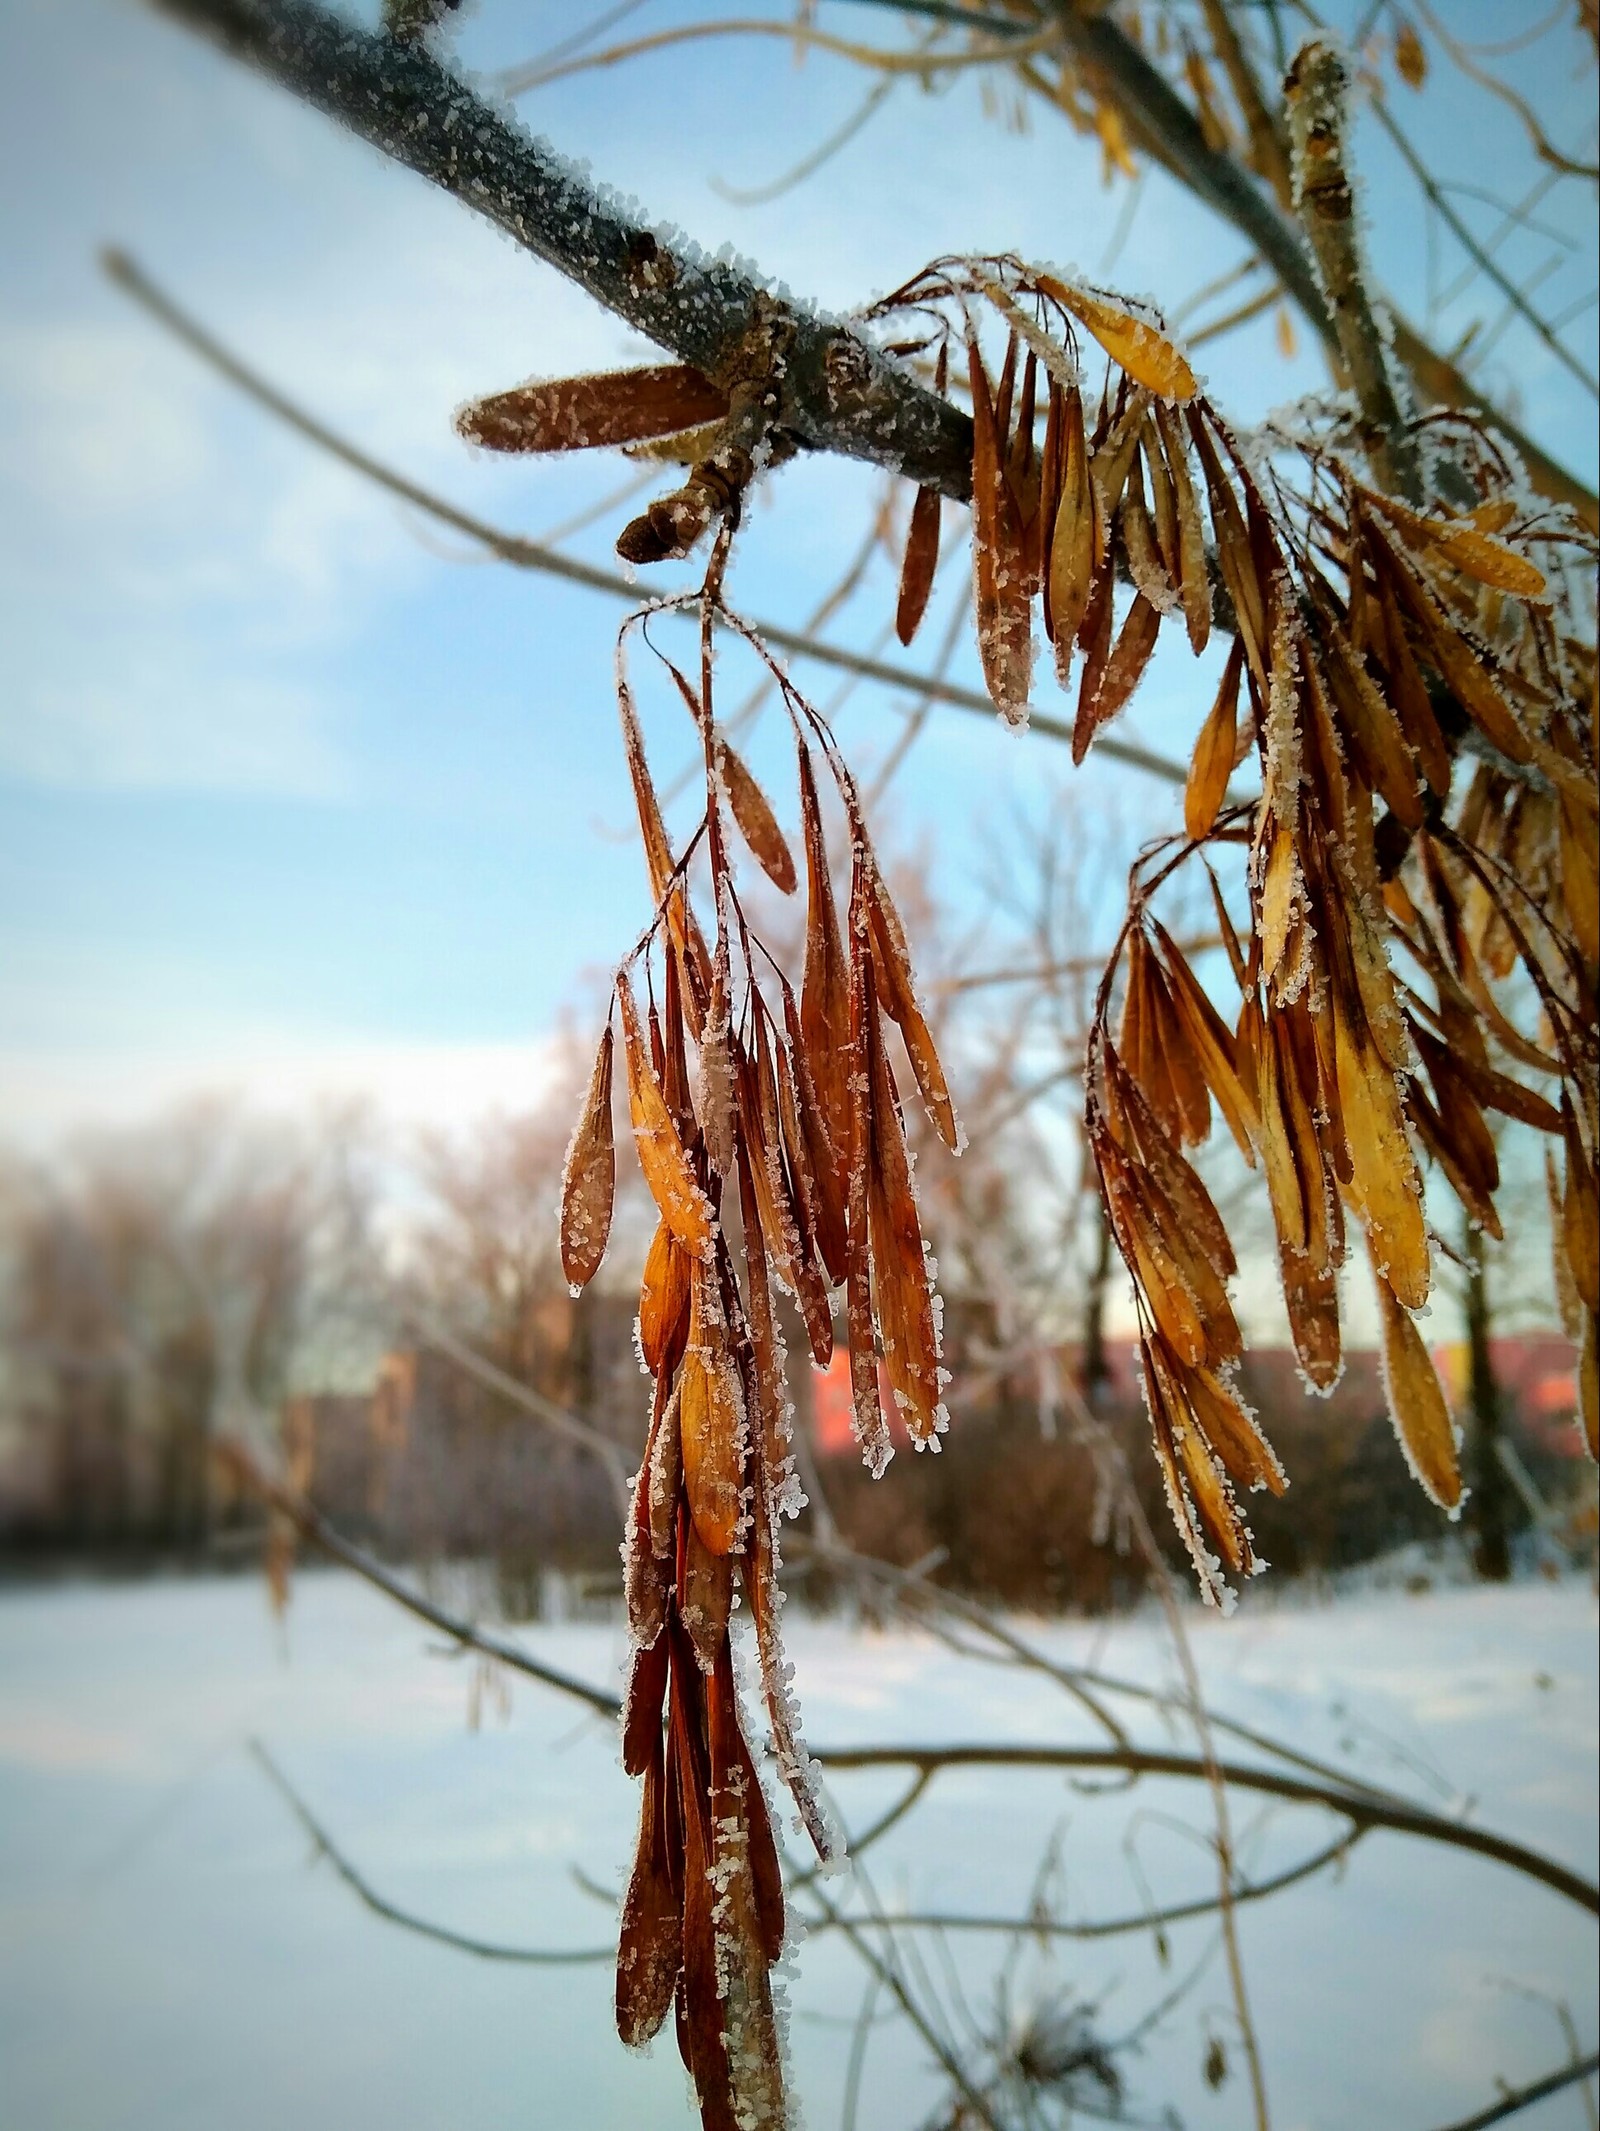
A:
x: 315, y: 1529
x: 838, y: 393
x: 532, y: 555
x: 1363, y: 1808
x: 1521, y: 2098
x: 1316, y: 89
x: 365, y: 1892
x: 1359, y: 1807
x: 1162, y: 123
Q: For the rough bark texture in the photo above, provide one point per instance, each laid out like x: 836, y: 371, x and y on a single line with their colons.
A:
x: 838, y: 393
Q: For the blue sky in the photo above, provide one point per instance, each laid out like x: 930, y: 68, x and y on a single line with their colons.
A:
x: 292, y: 791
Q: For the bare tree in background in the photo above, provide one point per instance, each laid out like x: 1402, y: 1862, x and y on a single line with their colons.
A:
x: 175, y: 1284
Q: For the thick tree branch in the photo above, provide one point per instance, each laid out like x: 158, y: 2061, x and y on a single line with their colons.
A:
x: 837, y: 392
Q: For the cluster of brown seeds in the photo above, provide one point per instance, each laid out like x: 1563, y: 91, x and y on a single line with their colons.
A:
x: 1419, y: 697
x: 1421, y: 864
x: 776, y: 1159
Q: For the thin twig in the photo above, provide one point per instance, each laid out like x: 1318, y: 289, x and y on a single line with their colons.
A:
x: 1496, y: 84
x: 518, y: 81
x: 1478, y: 253
x: 363, y: 1889
x: 888, y: 1975
x: 1138, y: 1921
x: 1134, y: 1510
x: 315, y: 1529
x: 1512, y: 2104
x: 556, y: 1418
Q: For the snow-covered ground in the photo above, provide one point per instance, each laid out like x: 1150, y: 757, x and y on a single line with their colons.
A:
x: 172, y: 1960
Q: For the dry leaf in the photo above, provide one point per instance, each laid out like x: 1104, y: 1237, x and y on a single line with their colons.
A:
x: 1417, y: 1403
x: 757, y: 823
x: 921, y: 562
x: 1409, y: 57
x: 1077, y: 545
x: 897, y: 990
x: 578, y: 413
x: 678, y: 1196
x: 1212, y: 764
x: 1119, y: 677
x: 588, y: 1179
x: 1146, y: 354
x: 710, y: 1419
x: 649, y: 1939
x: 1001, y: 579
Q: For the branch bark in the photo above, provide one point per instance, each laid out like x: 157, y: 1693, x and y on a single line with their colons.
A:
x: 838, y: 392
x: 1316, y: 91
x: 525, y: 554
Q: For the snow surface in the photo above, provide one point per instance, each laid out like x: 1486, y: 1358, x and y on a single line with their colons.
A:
x: 172, y: 1956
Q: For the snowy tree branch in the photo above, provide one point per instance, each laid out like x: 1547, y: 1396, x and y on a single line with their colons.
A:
x: 1316, y: 89
x: 837, y: 392
x: 524, y: 554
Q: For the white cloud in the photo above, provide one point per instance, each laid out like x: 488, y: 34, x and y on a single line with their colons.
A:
x: 47, y: 1094
x: 168, y: 724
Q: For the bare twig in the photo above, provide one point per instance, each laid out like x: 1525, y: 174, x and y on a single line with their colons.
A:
x: 1512, y: 2104
x: 1134, y: 1510
x: 315, y: 1529
x: 363, y: 1889
x: 887, y: 1974
x: 556, y: 1418
x: 1361, y: 1808
x: 1496, y: 84
x: 1480, y: 254
x: 1364, y: 1808
x: 890, y: 62
x: 1142, y: 1920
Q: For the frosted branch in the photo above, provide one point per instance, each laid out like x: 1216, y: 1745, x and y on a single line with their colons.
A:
x: 839, y: 394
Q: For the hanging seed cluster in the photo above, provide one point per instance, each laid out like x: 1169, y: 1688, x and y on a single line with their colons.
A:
x: 770, y: 1133
x: 1418, y: 694
x: 1416, y: 690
